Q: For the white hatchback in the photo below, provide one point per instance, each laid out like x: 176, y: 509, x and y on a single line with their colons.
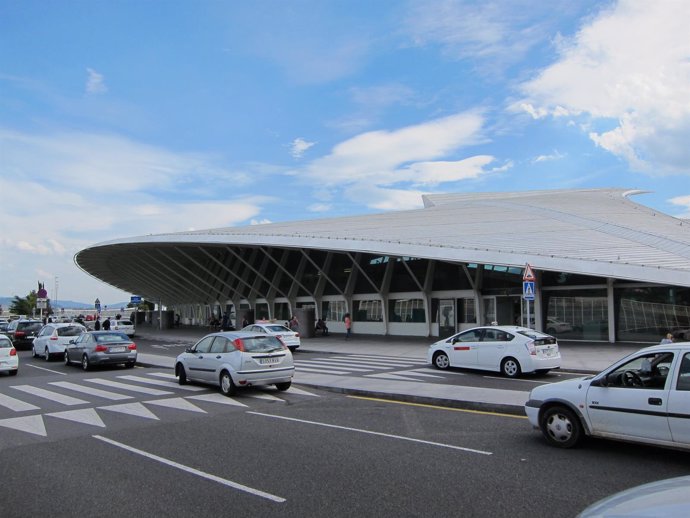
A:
x: 511, y: 350
x: 9, y: 361
x: 53, y: 338
x: 288, y: 337
x: 123, y: 326
x: 645, y: 397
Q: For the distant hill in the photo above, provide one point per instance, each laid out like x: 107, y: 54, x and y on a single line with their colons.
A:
x: 5, y: 302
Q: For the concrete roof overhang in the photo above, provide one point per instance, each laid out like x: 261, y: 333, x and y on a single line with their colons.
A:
x: 597, y: 232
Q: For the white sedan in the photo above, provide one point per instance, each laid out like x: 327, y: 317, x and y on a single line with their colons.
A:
x: 288, y: 337
x: 52, y: 339
x: 9, y: 361
x: 510, y: 350
x: 645, y: 398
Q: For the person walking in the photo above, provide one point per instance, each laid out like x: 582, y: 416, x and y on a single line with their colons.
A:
x: 348, y: 325
x: 106, y: 324
x: 97, y: 324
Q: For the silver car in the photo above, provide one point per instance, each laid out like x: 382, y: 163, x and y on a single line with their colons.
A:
x: 101, y: 348
x: 237, y: 359
x: 53, y: 338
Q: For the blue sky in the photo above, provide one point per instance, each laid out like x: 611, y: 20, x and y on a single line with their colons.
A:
x: 124, y: 118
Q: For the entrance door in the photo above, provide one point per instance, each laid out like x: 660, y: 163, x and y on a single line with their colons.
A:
x: 446, y: 315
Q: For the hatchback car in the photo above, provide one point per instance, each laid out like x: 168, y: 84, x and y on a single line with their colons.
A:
x: 53, y: 338
x: 101, y: 348
x: 237, y: 359
x: 644, y: 398
x: 123, y: 325
x: 23, y: 332
x: 511, y: 350
x: 9, y: 361
x: 287, y: 336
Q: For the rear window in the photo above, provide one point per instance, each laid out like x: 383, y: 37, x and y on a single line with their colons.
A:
x: 262, y: 344
x: 123, y: 322
x: 539, y: 338
x: 29, y: 326
x: 5, y: 343
x: 109, y: 338
x: 278, y: 329
x: 70, y: 331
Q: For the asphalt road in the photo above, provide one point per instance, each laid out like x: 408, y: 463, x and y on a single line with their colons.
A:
x: 297, y: 453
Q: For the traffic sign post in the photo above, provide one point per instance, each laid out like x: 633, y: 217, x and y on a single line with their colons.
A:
x: 528, y: 288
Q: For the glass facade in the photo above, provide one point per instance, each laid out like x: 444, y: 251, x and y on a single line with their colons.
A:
x: 577, y: 314
x: 406, y: 310
x: 368, y: 311
x: 333, y: 310
x: 648, y: 313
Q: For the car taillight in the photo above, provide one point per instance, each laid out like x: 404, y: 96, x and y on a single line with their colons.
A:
x: 100, y: 349
x: 530, y: 348
x: 297, y: 335
x: 13, y: 352
x: 19, y: 334
x: 53, y: 337
x: 132, y: 346
x: 239, y: 344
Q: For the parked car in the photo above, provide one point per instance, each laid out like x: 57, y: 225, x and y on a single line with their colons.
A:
x: 101, y: 348
x: 22, y: 332
x: 644, y: 398
x: 554, y: 326
x: 511, y: 350
x: 53, y: 338
x: 287, y: 336
x: 9, y: 360
x: 123, y: 325
x: 661, y: 499
x: 237, y: 359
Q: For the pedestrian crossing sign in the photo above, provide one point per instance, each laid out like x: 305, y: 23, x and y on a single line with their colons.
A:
x: 528, y: 290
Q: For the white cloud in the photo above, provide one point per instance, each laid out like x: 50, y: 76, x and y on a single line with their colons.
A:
x: 434, y: 173
x: 628, y: 70
x: 95, y: 83
x: 684, y: 203
x: 548, y: 158
x: 299, y: 146
x: 320, y: 207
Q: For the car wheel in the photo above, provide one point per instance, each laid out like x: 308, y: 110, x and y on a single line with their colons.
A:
x: 85, y: 364
x: 227, y: 387
x: 181, y: 375
x: 129, y: 365
x: 67, y: 362
x: 541, y: 372
x: 510, y: 368
x: 47, y: 354
x: 561, y: 427
x: 283, y: 386
x: 441, y: 361
x: 33, y: 351
x: 14, y: 373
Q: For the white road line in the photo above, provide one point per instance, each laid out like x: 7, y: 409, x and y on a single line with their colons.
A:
x: 320, y: 371
x: 193, y: 471
x: 113, y: 396
x: 324, y: 365
x: 216, y: 398
x: 267, y: 397
x: 513, y: 379
x: 131, y: 388
x: 161, y: 383
x: 31, y: 424
x: 52, y: 396
x: 359, y: 363
x: 295, y: 390
x: 398, y: 359
x: 387, y: 376
x: 16, y: 404
x: 44, y: 369
x: 418, y: 373
x: 370, y: 432
x: 165, y: 375
x: 445, y: 372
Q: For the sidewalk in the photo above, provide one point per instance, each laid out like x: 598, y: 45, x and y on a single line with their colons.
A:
x: 576, y: 357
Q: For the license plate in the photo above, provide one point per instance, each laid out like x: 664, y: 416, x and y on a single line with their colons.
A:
x: 117, y: 349
x: 266, y: 361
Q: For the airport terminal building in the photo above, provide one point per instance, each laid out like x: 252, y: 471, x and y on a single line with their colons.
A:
x: 606, y: 268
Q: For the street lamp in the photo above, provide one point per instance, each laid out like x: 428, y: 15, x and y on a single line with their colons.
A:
x: 56, y: 292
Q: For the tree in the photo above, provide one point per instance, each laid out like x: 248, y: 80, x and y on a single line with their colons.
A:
x: 25, y: 305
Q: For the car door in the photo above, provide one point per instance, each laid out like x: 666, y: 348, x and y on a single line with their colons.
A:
x: 42, y: 337
x: 635, y: 411
x: 200, y: 366
x: 76, y: 349
x: 679, y: 402
x: 463, y: 351
x: 492, y: 349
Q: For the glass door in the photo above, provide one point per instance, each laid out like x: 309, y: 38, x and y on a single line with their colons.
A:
x: 446, y: 312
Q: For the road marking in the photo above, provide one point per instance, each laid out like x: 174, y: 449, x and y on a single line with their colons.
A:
x: 390, y: 377
x: 208, y: 476
x: 85, y: 416
x: 323, y: 365
x: 217, y: 398
x: 44, y: 369
x: 31, y: 424
x: 268, y: 397
x: 52, y: 396
x: 177, y: 403
x: 131, y: 388
x: 392, y: 359
x: 161, y: 383
x: 165, y: 375
x: 320, y: 371
x: 370, y: 432
x: 437, y: 407
x: 295, y: 390
x: 16, y: 404
x: 90, y: 391
x: 135, y: 409
x: 512, y: 379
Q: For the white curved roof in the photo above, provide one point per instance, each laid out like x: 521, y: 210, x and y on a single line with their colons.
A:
x: 598, y: 232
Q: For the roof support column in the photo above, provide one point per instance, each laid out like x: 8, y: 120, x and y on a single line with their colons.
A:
x: 612, y: 310
x: 385, y: 289
x: 428, y: 283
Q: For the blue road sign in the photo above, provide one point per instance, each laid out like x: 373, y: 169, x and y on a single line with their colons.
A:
x: 528, y: 290
x: 135, y: 299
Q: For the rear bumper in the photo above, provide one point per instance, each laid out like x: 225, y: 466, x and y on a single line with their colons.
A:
x: 264, y: 377
x: 111, y: 359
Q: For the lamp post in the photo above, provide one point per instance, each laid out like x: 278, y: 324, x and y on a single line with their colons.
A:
x: 56, y: 292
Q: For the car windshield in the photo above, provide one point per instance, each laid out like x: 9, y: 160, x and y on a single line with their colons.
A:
x: 70, y: 331
x: 109, y: 338
x: 278, y: 329
x: 261, y: 344
x: 124, y: 323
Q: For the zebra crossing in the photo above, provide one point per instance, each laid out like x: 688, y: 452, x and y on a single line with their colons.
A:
x: 371, y: 366
x: 31, y: 408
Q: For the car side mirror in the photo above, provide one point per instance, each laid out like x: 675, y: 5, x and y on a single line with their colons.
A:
x: 601, y: 382
x: 189, y: 350
x: 71, y: 341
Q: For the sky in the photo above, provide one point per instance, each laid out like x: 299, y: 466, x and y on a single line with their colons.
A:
x: 125, y: 118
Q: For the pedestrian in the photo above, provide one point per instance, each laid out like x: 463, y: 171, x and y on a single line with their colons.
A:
x: 321, y: 326
x: 294, y: 324
x: 106, y: 324
x: 668, y: 339
x: 224, y: 324
x: 348, y: 325
x: 177, y: 320
x: 245, y: 322
x: 97, y: 324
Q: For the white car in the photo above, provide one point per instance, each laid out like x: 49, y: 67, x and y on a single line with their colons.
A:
x: 554, y: 326
x: 511, y: 350
x: 645, y: 398
x: 123, y: 325
x: 236, y: 359
x: 52, y: 339
x: 288, y: 337
x: 9, y: 361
